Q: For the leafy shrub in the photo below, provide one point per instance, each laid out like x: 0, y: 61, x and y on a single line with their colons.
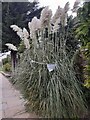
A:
x: 7, y: 67
x: 6, y: 60
x: 21, y: 47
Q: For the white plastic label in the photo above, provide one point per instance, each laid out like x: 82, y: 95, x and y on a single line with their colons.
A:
x: 51, y: 67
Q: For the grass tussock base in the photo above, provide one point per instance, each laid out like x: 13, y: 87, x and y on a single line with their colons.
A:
x: 54, y: 94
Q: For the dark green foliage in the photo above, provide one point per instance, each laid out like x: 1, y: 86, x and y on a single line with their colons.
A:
x: 6, y: 60
x: 72, y: 42
x: 78, y: 64
x: 6, y: 64
x: 7, y: 67
x: 21, y: 47
x: 83, y: 28
x: 83, y: 33
x: 16, y: 13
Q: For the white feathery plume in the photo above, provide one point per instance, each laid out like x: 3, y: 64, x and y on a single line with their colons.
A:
x: 61, y: 13
x: 18, y: 30
x: 66, y: 7
x: 76, y: 6
x: 57, y: 14
x: 11, y: 46
x: 56, y: 25
x: 64, y: 14
x: 25, y: 33
x: 25, y: 38
x: 29, y: 25
x: 34, y: 25
x: 64, y: 18
x: 26, y: 43
x: 45, y: 18
x: 20, y: 34
x: 15, y: 28
x: 38, y: 24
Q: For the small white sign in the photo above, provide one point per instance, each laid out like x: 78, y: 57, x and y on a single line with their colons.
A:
x: 51, y: 67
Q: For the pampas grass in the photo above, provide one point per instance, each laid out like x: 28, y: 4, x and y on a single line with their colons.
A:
x: 55, y: 94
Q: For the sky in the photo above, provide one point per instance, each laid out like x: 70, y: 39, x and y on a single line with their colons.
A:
x: 53, y: 4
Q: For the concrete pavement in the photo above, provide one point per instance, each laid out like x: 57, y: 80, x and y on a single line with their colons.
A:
x: 11, y: 104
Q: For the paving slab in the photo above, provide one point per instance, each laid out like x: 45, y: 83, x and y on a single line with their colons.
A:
x: 11, y: 104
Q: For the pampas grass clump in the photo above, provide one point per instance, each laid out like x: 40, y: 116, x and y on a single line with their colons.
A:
x: 49, y: 92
